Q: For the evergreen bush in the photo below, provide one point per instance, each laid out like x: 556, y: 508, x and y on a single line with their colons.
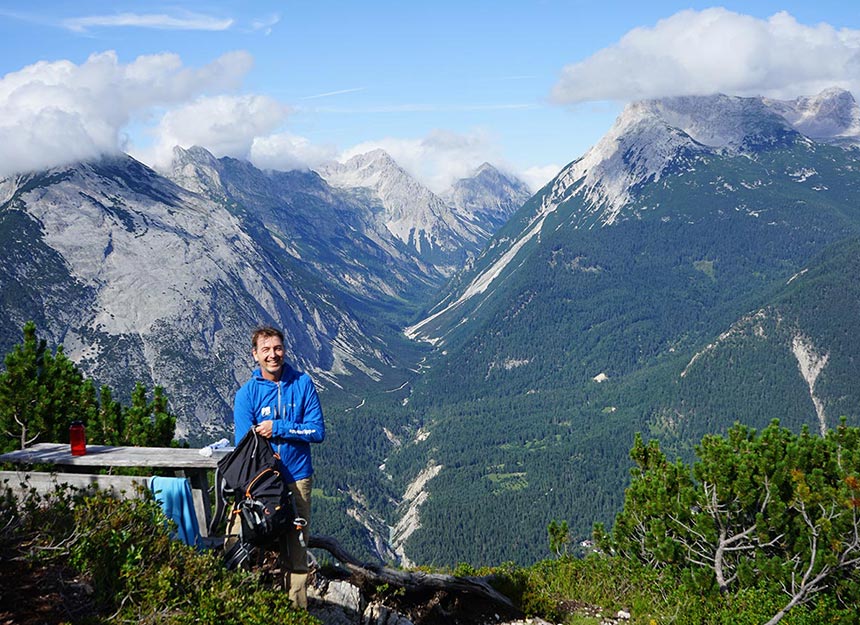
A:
x: 138, y: 574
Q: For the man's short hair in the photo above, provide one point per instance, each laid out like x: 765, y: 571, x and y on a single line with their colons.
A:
x: 265, y: 332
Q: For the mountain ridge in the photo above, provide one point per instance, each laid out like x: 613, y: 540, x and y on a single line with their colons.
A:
x: 569, y: 333
x: 647, y: 138
x: 139, y: 260
x: 440, y: 229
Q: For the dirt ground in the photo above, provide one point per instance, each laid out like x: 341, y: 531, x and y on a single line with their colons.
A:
x: 39, y: 595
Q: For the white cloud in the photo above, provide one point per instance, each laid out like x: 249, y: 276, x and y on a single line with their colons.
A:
x: 284, y: 151
x: 224, y: 125
x: 712, y: 51
x: 328, y: 94
x: 54, y: 113
x: 57, y: 113
x: 536, y: 177
x: 439, y: 159
x: 160, y: 21
x: 265, y: 24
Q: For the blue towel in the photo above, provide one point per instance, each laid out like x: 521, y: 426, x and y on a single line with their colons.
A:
x: 174, y: 495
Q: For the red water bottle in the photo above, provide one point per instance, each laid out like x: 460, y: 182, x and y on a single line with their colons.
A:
x: 78, y: 438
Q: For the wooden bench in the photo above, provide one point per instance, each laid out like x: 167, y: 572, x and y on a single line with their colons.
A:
x: 74, y: 470
x: 122, y: 486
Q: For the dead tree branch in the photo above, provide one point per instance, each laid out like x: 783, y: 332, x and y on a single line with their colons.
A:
x: 411, y: 580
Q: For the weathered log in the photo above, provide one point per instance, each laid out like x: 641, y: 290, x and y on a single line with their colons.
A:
x: 411, y: 580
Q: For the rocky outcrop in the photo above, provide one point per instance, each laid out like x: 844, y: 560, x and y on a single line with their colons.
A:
x: 339, y: 602
x: 343, y: 602
x: 357, y: 593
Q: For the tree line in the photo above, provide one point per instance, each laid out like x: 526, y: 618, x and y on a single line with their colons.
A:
x: 42, y: 392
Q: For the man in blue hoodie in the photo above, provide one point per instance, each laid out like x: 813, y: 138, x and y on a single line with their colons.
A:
x: 281, y: 404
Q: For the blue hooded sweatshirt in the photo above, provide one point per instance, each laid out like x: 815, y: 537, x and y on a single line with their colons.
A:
x: 294, y: 409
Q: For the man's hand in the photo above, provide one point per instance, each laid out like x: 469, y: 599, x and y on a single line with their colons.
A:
x: 264, y: 429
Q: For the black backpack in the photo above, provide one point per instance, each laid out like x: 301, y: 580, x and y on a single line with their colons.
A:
x: 249, y: 479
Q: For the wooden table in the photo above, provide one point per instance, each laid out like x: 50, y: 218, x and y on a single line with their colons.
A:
x: 187, y: 463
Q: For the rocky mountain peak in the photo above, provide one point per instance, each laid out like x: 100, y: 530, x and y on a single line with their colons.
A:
x: 376, y: 157
x: 373, y: 170
x: 719, y: 121
x: 651, y: 134
x: 410, y: 211
x: 195, y: 153
x: 489, y: 197
x: 489, y: 175
x: 831, y: 116
x: 197, y: 170
x: 640, y: 144
x: 486, y: 169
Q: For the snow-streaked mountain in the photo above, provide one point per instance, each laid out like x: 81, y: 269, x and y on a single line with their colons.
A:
x: 407, y: 209
x: 648, y: 140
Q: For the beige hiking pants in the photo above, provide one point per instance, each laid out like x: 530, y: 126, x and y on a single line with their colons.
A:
x: 294, y: 557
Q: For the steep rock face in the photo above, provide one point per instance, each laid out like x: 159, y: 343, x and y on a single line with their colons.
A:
x: 165, y: 285
x: 330, y: 230
x: 197, y: 170
x: 36, y: 281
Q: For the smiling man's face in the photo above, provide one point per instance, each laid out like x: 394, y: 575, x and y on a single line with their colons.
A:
x: 269, y: 354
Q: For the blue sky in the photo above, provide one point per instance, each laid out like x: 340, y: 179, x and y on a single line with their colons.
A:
x: 443, y: 86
